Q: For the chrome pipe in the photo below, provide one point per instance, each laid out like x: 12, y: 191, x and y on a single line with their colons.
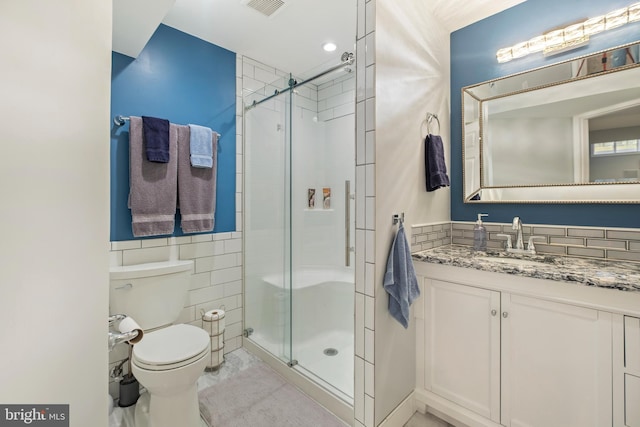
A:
x: 276, y: 93
x: 347, y: 58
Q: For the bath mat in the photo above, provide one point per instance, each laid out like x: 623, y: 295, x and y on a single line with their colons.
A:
x: 259, y: 397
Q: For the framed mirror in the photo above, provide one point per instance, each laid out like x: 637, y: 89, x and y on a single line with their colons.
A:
x: 565, y: 133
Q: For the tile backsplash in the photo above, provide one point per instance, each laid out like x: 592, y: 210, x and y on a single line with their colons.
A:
x: 429, y: 236
x: 592, y: 242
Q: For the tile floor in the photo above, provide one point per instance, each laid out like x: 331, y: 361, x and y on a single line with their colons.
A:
x: 235, y: 362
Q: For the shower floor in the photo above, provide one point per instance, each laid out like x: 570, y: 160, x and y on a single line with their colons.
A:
x: 335, y: 370
x: 334, y: 373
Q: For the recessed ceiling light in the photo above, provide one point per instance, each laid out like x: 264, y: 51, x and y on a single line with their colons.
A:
x: 329, y: 47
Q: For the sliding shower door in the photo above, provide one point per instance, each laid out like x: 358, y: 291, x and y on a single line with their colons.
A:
x: 299, y: 228
x: 323, y: 231
x: 267, y: 248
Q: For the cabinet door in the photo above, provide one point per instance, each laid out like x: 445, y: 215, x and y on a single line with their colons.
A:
x: 631, y: 399
x: 556, y: 364
x: 462, y: 346
x: 632, y: 345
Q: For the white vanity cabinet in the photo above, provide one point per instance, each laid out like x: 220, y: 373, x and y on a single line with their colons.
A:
x: 555, y: 364
x: 462, y: 345
x: 510, y: 355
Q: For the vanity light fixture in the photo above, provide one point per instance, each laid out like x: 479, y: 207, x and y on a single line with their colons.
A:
x: 572, y: 36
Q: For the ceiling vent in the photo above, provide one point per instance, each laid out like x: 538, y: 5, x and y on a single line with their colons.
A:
x: 266, y: 7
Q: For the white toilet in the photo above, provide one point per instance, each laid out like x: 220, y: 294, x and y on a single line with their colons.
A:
x: 170, y: 358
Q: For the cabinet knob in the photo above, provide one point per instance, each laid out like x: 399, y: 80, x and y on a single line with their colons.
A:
x: 505, y: 314
x: 494, y: 312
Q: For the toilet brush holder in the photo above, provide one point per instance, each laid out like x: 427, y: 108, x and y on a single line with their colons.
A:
x: 129, y: 386
x: 129, y: 391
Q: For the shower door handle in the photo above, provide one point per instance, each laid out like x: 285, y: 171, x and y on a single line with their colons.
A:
x: 347, y: 223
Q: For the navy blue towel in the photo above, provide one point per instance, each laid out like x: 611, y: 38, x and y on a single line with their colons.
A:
x: 400, y: 279
x: 156, y: 138
x: 436, y: 169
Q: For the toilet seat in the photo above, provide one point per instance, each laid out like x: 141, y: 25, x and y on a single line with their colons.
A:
x: 171, y: 348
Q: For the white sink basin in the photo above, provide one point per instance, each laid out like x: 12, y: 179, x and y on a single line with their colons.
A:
x: 512, y: 261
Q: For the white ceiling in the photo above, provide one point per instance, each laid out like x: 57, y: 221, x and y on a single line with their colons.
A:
x: 290, y: 39
x: 134, y: 23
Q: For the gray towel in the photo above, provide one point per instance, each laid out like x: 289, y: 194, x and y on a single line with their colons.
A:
x: 153, y: 186
x: 196, y: 186
x: 400, y: 279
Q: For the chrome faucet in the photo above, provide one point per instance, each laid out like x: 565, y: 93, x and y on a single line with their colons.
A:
x: 519, y: 246
x: 517, y: 225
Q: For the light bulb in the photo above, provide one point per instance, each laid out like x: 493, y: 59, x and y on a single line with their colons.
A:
x: 329, y: 47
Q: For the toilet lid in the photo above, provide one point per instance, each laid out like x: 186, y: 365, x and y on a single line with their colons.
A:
x: 171, y: 345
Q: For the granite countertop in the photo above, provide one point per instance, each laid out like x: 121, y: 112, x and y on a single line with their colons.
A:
x: 620, y: 275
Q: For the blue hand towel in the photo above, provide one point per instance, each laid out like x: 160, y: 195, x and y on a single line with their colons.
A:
x: 156, y: 138
x: 436, y: 168
x: 200, y: 146
x: 400, y: 279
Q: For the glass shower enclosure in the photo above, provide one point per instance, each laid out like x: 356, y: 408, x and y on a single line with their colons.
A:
x: 299, y: 172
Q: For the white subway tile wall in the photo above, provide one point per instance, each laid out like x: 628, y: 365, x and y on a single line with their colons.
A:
x: 365, y: 216
x: 216, y: 280
x: 335, y: 97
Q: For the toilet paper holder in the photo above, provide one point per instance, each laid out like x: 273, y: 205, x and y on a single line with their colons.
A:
x: 116, y: 318
x: 116, y: 338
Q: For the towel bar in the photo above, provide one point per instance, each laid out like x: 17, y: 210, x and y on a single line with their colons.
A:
x: 121, y: 120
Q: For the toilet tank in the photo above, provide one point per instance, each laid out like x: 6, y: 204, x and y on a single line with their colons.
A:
x: 152, y: 294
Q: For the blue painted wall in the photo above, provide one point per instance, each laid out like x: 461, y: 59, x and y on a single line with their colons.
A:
x: 473, y: 60
x: 185, y: 80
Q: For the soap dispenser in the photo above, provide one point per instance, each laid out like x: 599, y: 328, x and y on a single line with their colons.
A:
x: 480, y: 235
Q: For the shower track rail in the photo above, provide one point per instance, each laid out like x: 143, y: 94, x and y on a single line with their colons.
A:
x: 347, y: 58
